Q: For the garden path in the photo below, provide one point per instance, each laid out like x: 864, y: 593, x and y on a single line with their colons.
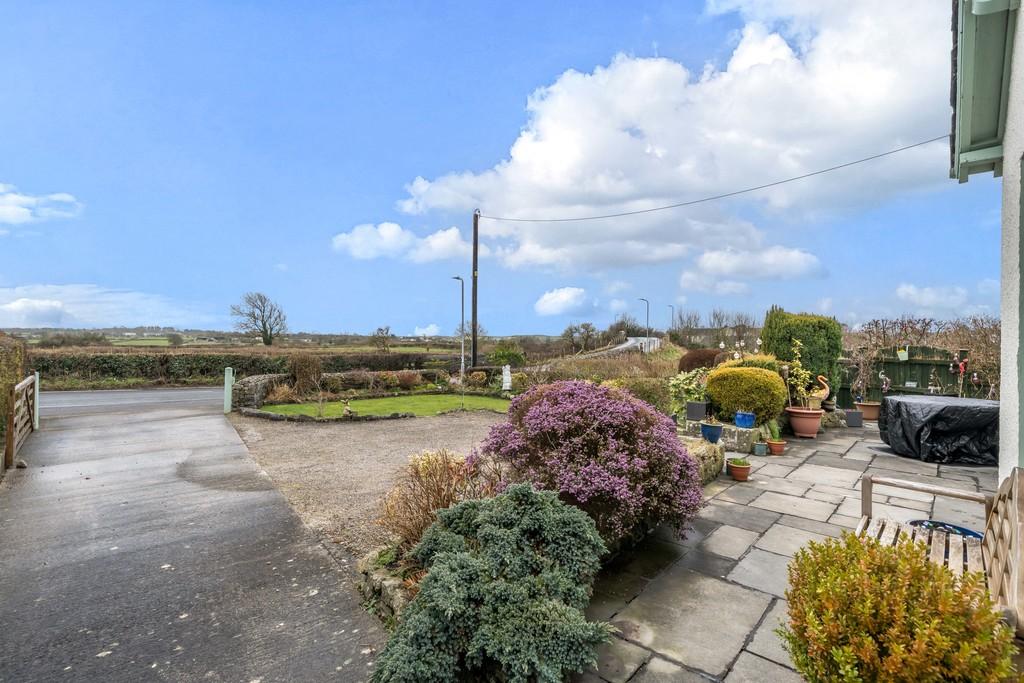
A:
x: 705, y: 608
x: 142, y: 543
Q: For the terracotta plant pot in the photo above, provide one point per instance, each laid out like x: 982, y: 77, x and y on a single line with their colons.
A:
x: 739, y: 472
x: 805, y: 422
x: 776, y: 446
x: 870, y: 409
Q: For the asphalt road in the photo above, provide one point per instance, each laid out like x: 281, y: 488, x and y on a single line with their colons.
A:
x: 143, y: 544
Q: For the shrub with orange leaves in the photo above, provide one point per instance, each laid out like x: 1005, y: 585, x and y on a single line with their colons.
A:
x: 860, y: 611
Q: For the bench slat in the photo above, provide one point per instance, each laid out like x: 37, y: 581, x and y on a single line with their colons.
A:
x: 890, y: 534
x: 956, y: 554
x: 974, y: 563
x: 937, y: 549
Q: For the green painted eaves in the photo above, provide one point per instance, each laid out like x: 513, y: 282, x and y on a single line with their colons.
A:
x: 982, y: 52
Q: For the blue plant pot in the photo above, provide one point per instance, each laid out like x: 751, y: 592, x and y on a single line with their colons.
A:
x: 710, y: 433
x: 744, y: 420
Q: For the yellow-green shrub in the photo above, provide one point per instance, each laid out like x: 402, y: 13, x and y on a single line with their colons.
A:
x: 754, y: 390
x: 755, y: 360
x: 860, y: 611
x: 651, y: 390
x: 477, y: 378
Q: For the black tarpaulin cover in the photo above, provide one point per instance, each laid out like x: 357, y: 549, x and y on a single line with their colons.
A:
x: 942, y: 429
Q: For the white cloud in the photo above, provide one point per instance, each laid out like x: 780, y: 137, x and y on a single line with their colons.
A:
x: 431, y: 330
x: 701, y: 282
x: 391, y: 240
x: 17, y: 208
x: 772, y: 263
x: 444, y: 244
x: 808, y: 85
x: 87, y: 305
x: 925, y: 299
x: 825, y: 304
x: 561, y: 301
x: 988, y: 287
x: 368, y: 241
x: 617, y: 305
x: 617, y: 287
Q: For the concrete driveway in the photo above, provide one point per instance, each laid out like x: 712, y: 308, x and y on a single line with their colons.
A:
x: 142, y: 543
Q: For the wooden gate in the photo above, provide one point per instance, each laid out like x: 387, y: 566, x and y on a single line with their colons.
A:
x: 21, y: 418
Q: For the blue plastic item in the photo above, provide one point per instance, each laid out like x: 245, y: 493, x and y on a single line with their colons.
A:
x: 744, y: 420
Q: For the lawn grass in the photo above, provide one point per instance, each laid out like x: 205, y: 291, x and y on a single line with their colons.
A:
x: 423, y: 404
x: 143, y: 341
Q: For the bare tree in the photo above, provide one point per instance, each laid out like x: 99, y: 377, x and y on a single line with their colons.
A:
x: 257, y: 314
x: 569, y: 335
x: 742, y: 325
x: 480, y: 331
x: 684, y: 327
x: 588, y: 335
x: 382, y: 339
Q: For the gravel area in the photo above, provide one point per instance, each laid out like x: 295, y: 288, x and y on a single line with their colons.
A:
x: 335, y: 475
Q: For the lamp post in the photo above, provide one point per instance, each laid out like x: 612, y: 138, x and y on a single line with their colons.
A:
x: 647, y: 341
x: 462, y: 328
x: 671, y: 316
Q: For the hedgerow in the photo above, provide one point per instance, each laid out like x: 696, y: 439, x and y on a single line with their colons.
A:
x: 171, y: 367
x: 12, y: 371
x: 508, y: 579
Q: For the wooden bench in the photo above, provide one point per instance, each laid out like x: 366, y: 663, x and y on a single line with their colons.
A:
x: 997, y: 554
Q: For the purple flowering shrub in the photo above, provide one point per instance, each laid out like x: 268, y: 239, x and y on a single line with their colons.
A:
x: 602, y: 450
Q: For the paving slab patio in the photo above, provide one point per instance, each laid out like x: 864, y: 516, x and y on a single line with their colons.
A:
x: 705, y: 607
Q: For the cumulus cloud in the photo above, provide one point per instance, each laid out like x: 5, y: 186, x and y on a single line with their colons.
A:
x: 390, y: 240
x: 368, y: 241
x: 88, y: 305
x: 940, y: 298
x: 18, y: 208
x: 561, y: 301
x: 701, y: 282
x: 807, y: 85
x: 431, y: 330
x: 772, y: 263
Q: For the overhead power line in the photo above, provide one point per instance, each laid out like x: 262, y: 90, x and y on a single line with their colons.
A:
x: 717, y: 196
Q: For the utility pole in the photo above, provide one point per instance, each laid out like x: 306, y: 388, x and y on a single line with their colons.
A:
x: 462, y: 328
x: 476, y: 249
x: 647, y: 341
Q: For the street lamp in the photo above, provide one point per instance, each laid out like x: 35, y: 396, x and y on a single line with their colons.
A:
x: 647, y: 341
x: 671, y: 316
x: 462, y: 329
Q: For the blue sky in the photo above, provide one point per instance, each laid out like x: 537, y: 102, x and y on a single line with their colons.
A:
x: 159, y: 160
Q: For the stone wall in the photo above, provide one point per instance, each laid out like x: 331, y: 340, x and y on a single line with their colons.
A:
x: 380, y: 587
x: 710, y: 457
x: 251, y: 391
x: 734, y: 439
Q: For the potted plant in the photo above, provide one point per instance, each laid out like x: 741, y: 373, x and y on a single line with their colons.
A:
x: 739, y: 468
x: 760, y: 447
x: 805, y: 421
x: 744, y: 419
x: 775, y: 444
x: 690, y: 389
x: 863, y: 364
x: 711, y: 429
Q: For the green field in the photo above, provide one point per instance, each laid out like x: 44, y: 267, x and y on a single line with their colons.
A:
x: 423, y: 404
x: 143, y: 341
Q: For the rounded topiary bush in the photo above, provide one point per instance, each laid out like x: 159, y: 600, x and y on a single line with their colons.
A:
x: 860, y: 611
x: 507, y: 582
x: 697, y: 358
x: 603, y: 451
x: 765, y: 361
x: 754, y: 390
